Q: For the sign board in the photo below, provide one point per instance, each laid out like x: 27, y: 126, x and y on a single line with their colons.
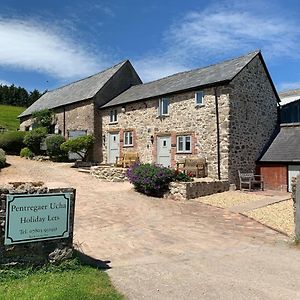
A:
x: 37, y: 217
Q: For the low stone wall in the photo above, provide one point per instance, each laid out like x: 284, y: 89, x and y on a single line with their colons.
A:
x: 198, y: 188
x: 109, y: 173
x: 35, y: 252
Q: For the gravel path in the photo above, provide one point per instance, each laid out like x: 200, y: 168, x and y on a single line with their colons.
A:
x: 229, y: 199
x: 279, y: 216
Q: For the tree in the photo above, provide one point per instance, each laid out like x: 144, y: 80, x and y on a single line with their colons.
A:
x: 43, y: 118
x: 79, y: 145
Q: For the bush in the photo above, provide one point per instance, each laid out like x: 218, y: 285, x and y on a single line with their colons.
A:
x: 34, y: 138
x: 79, y: 145
x: 26, y: 152
x: 43, y: 118
x: 2, y: 158
x: 53, y: 143
x: 150, y: 179
x: 12, y: 142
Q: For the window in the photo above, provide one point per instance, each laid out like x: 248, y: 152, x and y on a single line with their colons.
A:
x: 199, y: 98
x: 184, y: 144
x: 163, y: 107
x: 128, y: 138
x: 113, y: 116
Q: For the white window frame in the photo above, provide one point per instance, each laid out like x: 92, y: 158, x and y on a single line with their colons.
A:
x: 197, y: 98
x: 184, y: 143
x: 127, y: 136
x: 113, y: 116
x: 160, y: 107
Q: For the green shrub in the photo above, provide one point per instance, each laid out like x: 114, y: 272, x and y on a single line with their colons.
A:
x: 152, y: 179
x: 34, y: 138
x: 43, y: 118
x: 79, y: 145
x: 12, y: 142
x: 2, y: 158
x: 53, y: 143
x: 26, y: 152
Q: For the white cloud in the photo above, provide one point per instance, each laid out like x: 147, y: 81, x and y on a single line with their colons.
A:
x: 220, y: 30
x: 34, y: 46
x: 289, y: 86
x: 4, y: 82
x: 152, y: 68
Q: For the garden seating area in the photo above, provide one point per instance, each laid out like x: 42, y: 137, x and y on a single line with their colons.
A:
x: 196, y: 167
x: 127, y: 159
x: 250, y: 180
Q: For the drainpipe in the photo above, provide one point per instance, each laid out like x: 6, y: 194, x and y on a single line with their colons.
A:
x: 64, y: 122
x: 218, y: 134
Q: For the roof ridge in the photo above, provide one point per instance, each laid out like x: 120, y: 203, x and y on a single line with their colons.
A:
x: 120, y: 63
x: 202, y: 68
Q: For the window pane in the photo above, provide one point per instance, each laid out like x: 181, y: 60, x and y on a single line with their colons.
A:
x: 199, y: 97
x: 130, y: 138
x: 188, y: 143
x: 180, y: 143
x: 165, y: 106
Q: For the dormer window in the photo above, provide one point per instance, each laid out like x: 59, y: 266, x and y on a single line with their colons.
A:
x: 199, y: 98
x: 163, y: 107
x: 113, y: 117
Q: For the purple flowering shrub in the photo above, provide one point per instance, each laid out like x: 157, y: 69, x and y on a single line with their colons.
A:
x: 153, y: 179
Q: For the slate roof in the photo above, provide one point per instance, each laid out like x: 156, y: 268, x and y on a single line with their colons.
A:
x: 221, y: 72
x: 77, y: 91
x: 285, y: 147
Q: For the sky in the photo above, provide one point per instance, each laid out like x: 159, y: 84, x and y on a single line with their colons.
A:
x: 47, y: 44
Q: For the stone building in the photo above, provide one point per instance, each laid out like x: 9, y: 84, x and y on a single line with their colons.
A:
x: 225, y: 113
x: 76, y: 105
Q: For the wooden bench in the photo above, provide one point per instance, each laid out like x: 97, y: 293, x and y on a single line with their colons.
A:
x: 127, y: 159
x: 194, y: 166
x: 250, y: 180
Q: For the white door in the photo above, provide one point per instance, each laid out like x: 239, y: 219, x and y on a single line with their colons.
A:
x: 72, y: 135
x: 293, y: 171
x: 113, y: 147
x: 164, y: 150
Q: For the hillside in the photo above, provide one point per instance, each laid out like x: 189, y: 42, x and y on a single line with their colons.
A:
x: 8, y: 116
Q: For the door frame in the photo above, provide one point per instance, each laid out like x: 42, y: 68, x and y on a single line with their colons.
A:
x: 168, y: 135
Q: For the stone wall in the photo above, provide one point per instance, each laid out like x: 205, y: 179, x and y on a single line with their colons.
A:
x: 109, y: 173
x: 77, y: 116
x: 35, y: 252
x: 253, y: 117
x: 184, y: 118
x: 195, y: 189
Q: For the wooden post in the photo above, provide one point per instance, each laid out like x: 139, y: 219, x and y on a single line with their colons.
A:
x: 296, y: 199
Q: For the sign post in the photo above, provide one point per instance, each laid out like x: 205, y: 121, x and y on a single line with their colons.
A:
x: 37, y: 217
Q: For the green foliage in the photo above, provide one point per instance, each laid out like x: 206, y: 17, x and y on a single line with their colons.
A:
x: 2, y: 158
x: 34, y: 138
x: 53, y: 143
x: 69, y: 280
x: 43, y: 118
x: 9, y: 117
x: 79, y: 145
x: 17, y: 96
x: 152, y: 179
x: 12, y: 142
x: 26, y: 152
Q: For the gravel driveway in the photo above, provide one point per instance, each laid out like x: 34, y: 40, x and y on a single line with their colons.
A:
x: 163, y: 249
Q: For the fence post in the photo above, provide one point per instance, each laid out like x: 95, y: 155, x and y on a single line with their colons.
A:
x: 296, y: 202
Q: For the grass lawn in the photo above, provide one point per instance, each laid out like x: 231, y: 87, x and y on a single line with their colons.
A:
x: 66, y: 282
x: 8, y: 116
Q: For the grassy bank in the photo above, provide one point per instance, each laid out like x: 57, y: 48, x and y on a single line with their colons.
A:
x: 70, y: 280
x: 8, y: 116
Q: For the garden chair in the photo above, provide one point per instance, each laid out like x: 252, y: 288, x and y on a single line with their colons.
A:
x: 250, y: 180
